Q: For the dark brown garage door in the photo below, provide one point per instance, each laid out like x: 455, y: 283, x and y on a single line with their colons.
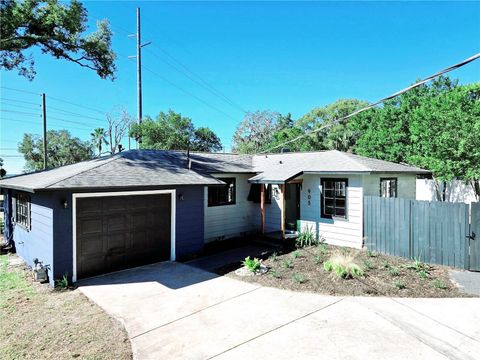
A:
x: 119, y: 232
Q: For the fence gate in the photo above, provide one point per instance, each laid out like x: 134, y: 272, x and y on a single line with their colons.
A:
x: 475, y: 238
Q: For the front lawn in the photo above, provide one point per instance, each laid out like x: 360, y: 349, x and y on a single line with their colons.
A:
x: 363, y: 273
x: 37, y: 322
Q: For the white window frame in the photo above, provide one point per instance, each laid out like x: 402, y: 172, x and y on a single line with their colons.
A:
x: 28, y: 225
x: 76, y: 196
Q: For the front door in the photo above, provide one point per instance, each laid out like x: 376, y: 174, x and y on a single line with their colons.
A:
x: 292, y: 206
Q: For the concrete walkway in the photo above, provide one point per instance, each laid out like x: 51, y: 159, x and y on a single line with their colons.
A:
x: 175, y: 311
x: 467, y: 281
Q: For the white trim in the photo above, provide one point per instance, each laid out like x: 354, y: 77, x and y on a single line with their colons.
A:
x: 122, y: 193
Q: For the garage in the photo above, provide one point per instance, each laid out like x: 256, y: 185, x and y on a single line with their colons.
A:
x: 117, y: 231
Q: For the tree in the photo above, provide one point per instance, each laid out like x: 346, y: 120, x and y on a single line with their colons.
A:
x: 62, y: 149
x: 99, y: 138
x: 57, y: 29
x: 341, y: 136
x: 434, y: 126
x: 172, y: 131
x: 3, y: 172
x: 205, y: 139
x: 256, y: 131
x: 118, y: 126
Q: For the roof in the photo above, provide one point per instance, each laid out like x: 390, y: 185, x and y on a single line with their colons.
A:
x: 152, y: 168
x: 134, y: 168
x: 278, y: 168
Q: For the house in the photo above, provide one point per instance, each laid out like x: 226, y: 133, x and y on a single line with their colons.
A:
x: 143, y: 206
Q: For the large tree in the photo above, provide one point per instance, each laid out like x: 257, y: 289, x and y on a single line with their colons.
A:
x: 58, y: 29
x: 62, y: 149
x: 435, y: 126
x: 256, y: 131
x: 172, y: 131
x: 3, y: 172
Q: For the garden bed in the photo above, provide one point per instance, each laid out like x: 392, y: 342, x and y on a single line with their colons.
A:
x: 304, y: 270
x: 37, y: 322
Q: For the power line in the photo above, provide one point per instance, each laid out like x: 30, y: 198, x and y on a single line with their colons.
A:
x: 20, y: 90
x: 74, y: 114
x: 21, y: 101
x: 50, y: 123
x: 417, y: 84
x: 20, y: 113
x: 78, y: 105
x: 189, y: 93
x: 26, y: 107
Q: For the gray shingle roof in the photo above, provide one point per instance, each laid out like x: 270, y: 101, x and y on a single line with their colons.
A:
x: 150, y: 168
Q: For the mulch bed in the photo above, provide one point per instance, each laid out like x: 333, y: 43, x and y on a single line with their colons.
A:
x: 383, y: 275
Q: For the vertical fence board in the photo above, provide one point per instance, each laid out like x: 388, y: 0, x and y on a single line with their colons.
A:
x: 433, y: 231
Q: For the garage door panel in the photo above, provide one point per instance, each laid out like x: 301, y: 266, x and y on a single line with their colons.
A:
x: 127, y: 231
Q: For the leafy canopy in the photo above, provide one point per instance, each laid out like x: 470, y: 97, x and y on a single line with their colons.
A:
x: 172, y: 131
x: 57, y: 29
x: 62, y: 149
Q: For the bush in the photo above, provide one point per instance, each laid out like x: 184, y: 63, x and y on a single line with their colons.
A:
x: 343, y: 265
x: 62, y: 283
x: 306, y: 238
x: 288, y: 264
x: 394, y: 271
x: 438, y: 284
x: 399, y: 285
x: 252, y: 264
x: 298, y: 278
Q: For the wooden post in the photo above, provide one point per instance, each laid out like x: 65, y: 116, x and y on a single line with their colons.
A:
x: 262, y: 208
x: 282, y: 209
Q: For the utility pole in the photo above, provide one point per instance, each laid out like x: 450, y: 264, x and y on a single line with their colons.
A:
x: 44, y: 108
x: 139, y: 69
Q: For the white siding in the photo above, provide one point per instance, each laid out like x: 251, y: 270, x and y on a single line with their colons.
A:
x: 222, y: 222
x: 406, y: 187
x: 337, y: 231
x: 272, y: 212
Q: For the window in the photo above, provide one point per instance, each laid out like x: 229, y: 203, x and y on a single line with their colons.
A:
x: 22, y: 210
x: 388, y: 187
x: 334, y: 198
x: 222, y: 194
x: 254, y: 194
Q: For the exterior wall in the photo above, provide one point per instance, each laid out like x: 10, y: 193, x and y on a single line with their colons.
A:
x: 227, y: 221
x: 51, y: 236
x: 36, y: 242
x: 406, y: 185
x: 272, y: 212
x: 336, y: 231
x: 456, y: 191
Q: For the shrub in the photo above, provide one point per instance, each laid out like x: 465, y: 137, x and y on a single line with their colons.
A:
x: 438, y: 284
x: 296, y: 254
x: 252, y: 264
x: 288, y: 264
x: 274, y: 256
x: 318, y: 259
x: 322, y: 248
x: 298, y: 278
x: 306, y: 238
x: 343, y: 265
x: 418, y: 265
x: 368, y: 265
x: 62, y: 283
x: 422, y: 274
x: 274, y: 273
x: 394, y: 271
x: 399, y: 285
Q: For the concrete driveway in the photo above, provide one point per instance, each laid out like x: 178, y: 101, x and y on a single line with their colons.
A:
x: 175, y: 311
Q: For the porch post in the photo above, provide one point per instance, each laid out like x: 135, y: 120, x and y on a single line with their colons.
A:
x: 282, y: 209
x: 262, y: 208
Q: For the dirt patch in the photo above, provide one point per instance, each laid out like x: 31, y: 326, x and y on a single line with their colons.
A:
x: 303, y: 270
x: 37, y: 322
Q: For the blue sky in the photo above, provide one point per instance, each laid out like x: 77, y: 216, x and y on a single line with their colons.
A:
x: 287, y: 57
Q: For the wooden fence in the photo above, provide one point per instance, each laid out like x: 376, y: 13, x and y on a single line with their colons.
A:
x: 436, y: 232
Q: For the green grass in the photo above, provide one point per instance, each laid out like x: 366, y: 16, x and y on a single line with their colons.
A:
x: 12, y: 282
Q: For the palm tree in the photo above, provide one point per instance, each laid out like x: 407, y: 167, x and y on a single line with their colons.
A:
x: 99, y: 137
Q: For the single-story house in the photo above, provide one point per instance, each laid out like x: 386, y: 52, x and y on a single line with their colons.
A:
x: 143, y: 206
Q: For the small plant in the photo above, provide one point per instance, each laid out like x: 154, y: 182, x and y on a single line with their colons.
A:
x: 371, y: 253
x: 274, y: 256
x: 62, y: 283
x: 296, y: 254
x: 394, y: 271
x: 343, y: 265
x: 318, y: 259
x: 418, y: 265
x: 385, y: 264
x: 399, y: 284
x: 298, y: 278
x: 306, y: 238
x: 288, y: 264
x: 422, y: 274
x: 322, y: 248
x: 438, y: 284
x: 252, y: 264
x: 274, y: 273
x: 368, y: 265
